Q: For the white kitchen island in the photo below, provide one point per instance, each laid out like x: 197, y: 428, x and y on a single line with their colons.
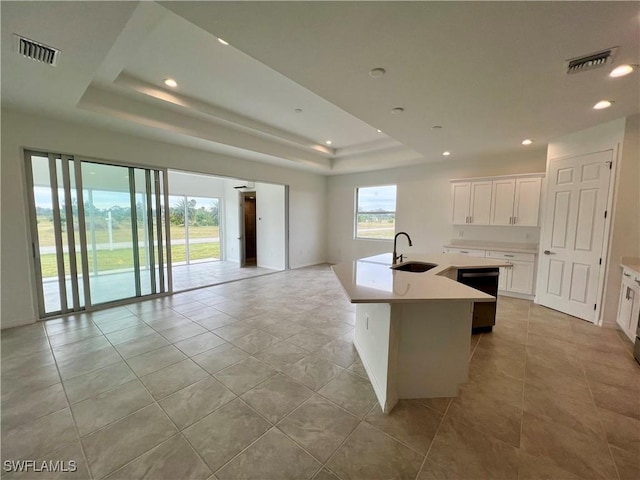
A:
x: 413, y: 330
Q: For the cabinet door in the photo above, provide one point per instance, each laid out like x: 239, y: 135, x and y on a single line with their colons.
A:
x: 502, y: 278
x: 480, y: 210
x: 502, y: 201
x: 626, y: 309
x: 527, y: 201
x: 460, y: 198
x: 521, y: 277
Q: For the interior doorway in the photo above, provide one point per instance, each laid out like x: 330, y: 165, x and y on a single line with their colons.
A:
x: 248, y: 239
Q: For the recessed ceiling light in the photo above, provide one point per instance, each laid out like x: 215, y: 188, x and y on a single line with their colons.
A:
x: 379, y: 131
x: 436, y: 127
x: 170, y: 82
x: 328, y: 142
x: 446, y: 154
x: 397, y: 110
x: 603, y: 104
x: 527, y: 142
x: 377, y: 72
x: 621, y: 71
x: 298, y: 110
x: 223, y: 42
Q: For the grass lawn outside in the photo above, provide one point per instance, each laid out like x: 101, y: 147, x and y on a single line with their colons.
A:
x: 46, y: 233
x: 122, y: 259
x: 376, y: 230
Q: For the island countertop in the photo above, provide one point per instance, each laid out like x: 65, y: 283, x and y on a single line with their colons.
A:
x: 371, y: 280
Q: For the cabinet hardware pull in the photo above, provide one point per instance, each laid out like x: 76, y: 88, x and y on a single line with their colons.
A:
x: 509, y: 256
x: 548, y: 252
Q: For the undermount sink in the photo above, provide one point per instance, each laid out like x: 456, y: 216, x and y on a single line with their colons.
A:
x: 416, y: 267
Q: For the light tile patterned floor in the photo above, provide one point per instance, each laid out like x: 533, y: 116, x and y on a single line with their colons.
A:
x: 259, y: 379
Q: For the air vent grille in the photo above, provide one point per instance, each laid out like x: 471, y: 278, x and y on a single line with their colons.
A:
x: 35, y: 50
x: 591, y: 61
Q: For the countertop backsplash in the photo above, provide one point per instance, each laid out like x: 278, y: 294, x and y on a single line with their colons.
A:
x: 502, y: 234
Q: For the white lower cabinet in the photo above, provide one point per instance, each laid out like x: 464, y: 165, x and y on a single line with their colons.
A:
x: 629, y: 306
x: 519, y: 277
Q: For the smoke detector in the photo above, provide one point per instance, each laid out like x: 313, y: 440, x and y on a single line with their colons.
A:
x: 591, y: 61
x: 35, y: 50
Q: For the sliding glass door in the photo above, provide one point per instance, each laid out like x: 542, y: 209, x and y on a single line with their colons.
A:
x: 99, y: 232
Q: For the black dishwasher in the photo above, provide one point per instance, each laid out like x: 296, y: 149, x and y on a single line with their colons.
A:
x: 485, y: 280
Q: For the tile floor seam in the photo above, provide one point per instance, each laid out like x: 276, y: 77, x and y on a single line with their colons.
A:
x: 346, y: 438
x: 524, y: 389
x: 433, y: 440
x: 271, y: 425
x: 73, y: 418
x: 132, y: 461
x: 401, y: 442
x: 276, y: 425
x: 600, y: 422
x: 154, y: 401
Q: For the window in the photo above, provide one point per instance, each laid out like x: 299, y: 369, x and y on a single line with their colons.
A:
x: 376, y: 212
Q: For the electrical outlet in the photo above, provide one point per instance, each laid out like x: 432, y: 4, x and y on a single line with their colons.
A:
x: 461, y: 233
x: 527, y: 236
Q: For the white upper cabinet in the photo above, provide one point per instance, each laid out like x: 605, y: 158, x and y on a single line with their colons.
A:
x: 526, y: 206
x: 513, y: 200
x: 471, y: 203
x: 460, y: 198
x: 504, y: 191
x: 516, y: 201
x: 480, y: 206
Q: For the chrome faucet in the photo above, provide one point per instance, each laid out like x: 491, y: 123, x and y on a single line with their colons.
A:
x: 395, y: 241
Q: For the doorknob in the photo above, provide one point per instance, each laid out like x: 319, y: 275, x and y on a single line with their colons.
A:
x: 548, y: 252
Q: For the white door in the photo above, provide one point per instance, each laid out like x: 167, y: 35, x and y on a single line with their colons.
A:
x: 502, y: 201
x: 460, y: 197
x: 527, y: 202
x: 573, y: 233
x: 480, y: 211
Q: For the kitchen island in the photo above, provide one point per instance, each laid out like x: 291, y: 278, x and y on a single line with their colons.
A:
x: 413, y: 329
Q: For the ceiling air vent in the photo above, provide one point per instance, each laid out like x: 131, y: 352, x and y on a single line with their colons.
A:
x: 593, y: 60
x: 35, y: 50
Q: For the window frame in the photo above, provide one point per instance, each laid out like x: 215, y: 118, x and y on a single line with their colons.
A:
x: 358, y: 212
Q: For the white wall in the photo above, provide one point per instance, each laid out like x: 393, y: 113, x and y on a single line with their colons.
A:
x: 182, y: 183
x: 423, y: 205
x: 624, y: 236
x: 270, y: 226
x: 307, y: 193
x: 231, y: 229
